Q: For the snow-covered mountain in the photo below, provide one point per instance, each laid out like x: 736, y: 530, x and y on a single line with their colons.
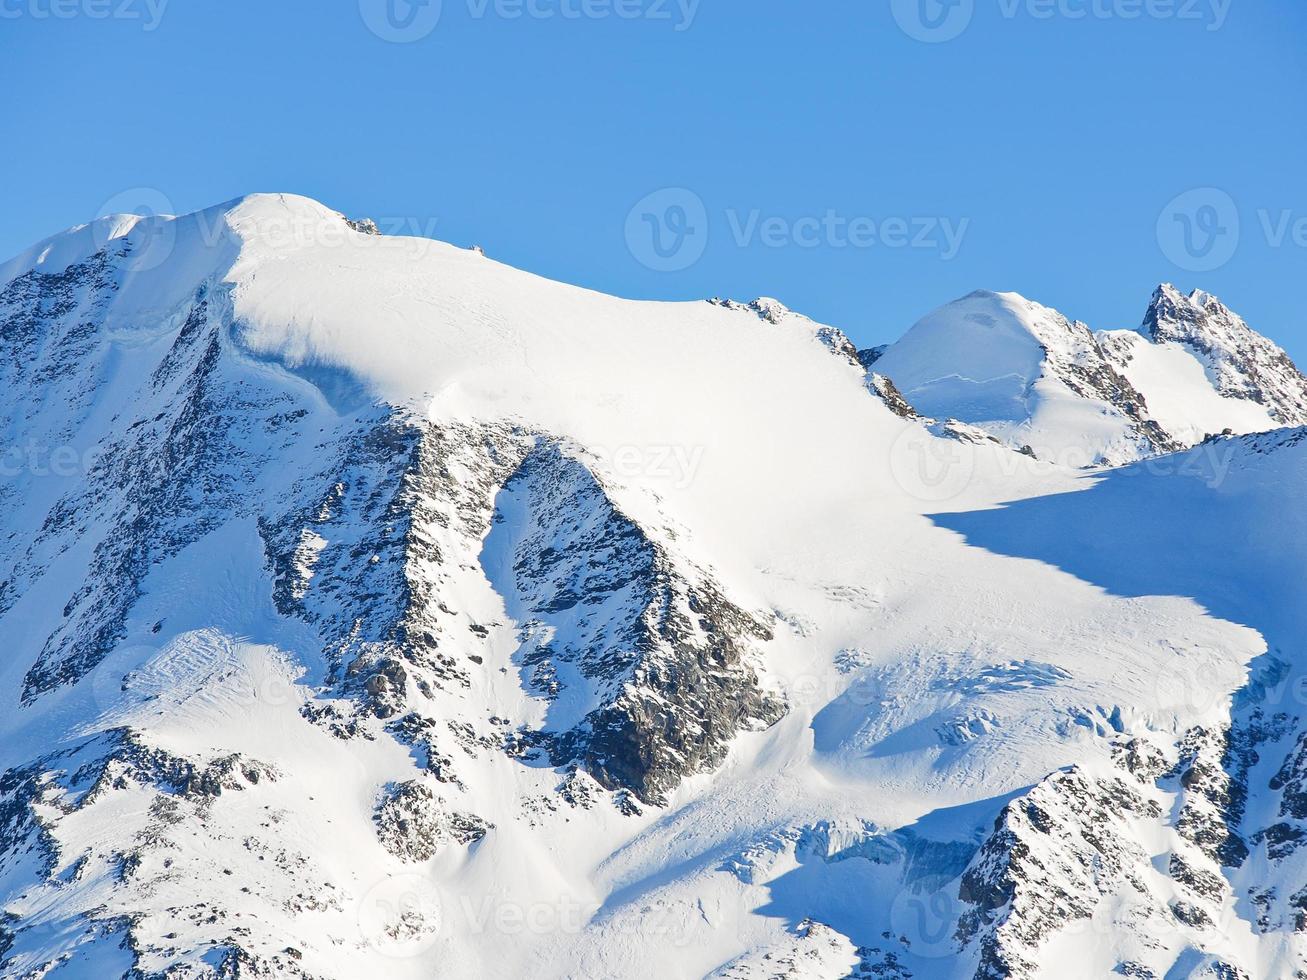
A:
x: 1035, y: 380
x: 376, y: 609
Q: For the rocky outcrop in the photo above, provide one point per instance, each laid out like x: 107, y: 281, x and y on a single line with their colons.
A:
x: 1212, y: 771
x: 815, y: 950
x: 102, y: 773
x: 413, y: 823
x: 885, y: 389
x: 650, y: 665
x: 1240, y: 362
x: 372, y: 536
x: 156, y: 482
x: 1053, y: 857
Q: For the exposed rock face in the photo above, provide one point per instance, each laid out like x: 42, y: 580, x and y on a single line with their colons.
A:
x: 1028, y: 376
x: 1240, y: 362
x: 413, y: 823
x: 648, y: 662
x: 1080, y: 363
x: 394, y: 518
x: 610, y: 619
x: 1291, y: 780
x: 160, y: 482
x: 1054, y: 855
x: 364, y: 226
x: 1213, y: 774
x: 41, y: 802
x: 1077, y: 845
x: 885, y: 389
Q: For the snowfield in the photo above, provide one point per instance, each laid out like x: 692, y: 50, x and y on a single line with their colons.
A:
x: 377, y: 609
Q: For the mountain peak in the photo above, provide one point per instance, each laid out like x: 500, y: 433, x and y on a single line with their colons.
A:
x: 1015, y: 368
x: 1170, y: 308
x: 1240, y: 363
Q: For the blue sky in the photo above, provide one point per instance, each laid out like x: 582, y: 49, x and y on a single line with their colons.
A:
x: 861, y: 161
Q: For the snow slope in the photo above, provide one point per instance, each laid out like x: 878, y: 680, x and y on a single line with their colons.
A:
x: 379, y: 609
x: 1180, y: 395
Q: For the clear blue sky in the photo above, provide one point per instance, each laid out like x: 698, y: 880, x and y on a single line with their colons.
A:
x: 1050, y: 135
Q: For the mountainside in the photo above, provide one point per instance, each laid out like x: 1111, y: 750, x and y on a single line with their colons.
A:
x: 1036, y: 380
x: 376, y: 609
x: 1205, y: 370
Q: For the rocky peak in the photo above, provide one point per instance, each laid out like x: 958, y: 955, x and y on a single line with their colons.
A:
x: 1239, y: 361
